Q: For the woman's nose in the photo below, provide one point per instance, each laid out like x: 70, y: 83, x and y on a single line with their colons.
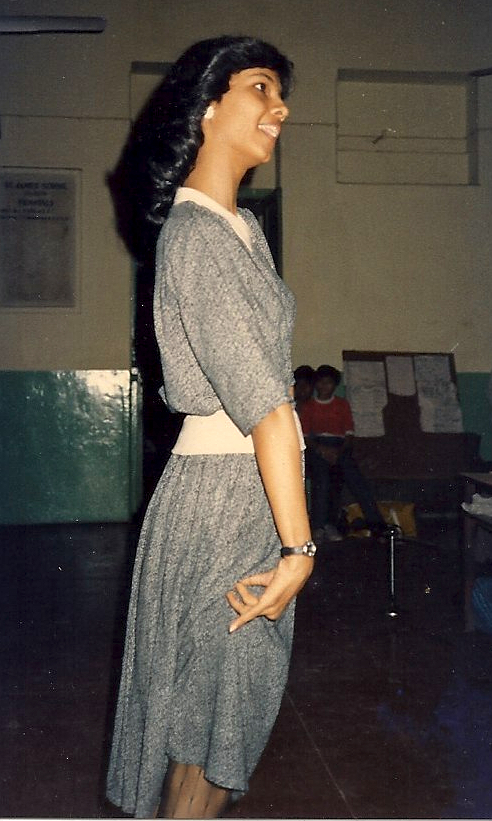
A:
x: 280, y: 110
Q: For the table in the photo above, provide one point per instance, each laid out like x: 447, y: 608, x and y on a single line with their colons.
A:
x: 474, y: 483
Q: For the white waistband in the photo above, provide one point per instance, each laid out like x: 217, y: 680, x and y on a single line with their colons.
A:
x: 211, y: 434
x: 216, y: 433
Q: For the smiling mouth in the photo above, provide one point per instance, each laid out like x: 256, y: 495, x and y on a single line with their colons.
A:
x: 271, y: 130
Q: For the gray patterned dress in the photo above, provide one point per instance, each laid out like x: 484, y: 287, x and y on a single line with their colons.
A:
x: 189, y: 690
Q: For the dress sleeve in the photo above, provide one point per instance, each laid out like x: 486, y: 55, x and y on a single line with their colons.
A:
x: 232, y: 317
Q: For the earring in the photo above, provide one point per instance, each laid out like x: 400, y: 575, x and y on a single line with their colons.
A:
x: 209, y: 113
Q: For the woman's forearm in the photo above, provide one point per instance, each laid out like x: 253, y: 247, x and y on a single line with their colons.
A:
x: 279, y: 460
x: 276, y: 444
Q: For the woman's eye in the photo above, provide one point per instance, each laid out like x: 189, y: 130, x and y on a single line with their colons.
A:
x: 261, y: 86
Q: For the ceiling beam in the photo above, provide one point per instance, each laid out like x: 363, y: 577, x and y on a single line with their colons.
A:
x: 33, y: 24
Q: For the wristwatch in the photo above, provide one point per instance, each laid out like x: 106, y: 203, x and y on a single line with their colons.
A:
x: 307, y: 549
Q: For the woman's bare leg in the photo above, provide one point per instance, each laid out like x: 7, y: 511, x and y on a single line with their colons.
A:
x: 188, y: 794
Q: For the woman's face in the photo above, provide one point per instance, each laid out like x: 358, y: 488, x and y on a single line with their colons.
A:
x: 246, y: 122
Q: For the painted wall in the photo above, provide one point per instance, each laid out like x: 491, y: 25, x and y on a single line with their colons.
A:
x: 373, y: 266
x: 64, y: 104
x: 69, y: 446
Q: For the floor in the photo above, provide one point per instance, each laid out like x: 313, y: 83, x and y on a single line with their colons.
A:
x: 384, y: 717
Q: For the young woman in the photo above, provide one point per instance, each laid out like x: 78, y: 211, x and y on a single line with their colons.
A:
x: 211, y: 613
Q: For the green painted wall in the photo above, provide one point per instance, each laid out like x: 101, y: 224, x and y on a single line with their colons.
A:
x: 71, y: 443
x: 477, y: 411
x: 70, y: 446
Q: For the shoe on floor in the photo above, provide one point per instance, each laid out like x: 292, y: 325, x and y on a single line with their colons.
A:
x: 378, y: 529
x: 328, y: 533
x: 331, y: 534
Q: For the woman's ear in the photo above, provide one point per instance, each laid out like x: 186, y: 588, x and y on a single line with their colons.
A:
x: 209, y: 112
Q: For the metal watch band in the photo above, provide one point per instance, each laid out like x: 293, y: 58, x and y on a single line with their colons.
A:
x: 307, y: 549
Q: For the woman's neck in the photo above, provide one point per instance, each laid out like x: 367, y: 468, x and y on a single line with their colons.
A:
x: 217, y: 182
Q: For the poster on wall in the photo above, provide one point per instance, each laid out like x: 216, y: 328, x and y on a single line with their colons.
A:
x: 440, y: 410
x: 38, y: 259
x: 367, y: 394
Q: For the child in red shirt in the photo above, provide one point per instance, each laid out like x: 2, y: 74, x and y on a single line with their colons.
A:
x: 328, y: 428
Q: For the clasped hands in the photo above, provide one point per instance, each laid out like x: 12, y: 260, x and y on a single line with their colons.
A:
x: 281, y: 584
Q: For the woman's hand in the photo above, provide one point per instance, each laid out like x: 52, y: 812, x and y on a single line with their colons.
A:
x: 281, y: 585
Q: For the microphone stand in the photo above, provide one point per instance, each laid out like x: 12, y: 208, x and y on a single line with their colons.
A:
x: 393, y: 535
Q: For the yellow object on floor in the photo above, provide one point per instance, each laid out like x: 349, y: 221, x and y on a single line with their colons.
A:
x: 401, y: 514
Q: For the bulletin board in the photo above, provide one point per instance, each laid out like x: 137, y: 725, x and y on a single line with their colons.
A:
x: 427, y: 380
x: 407, y: 414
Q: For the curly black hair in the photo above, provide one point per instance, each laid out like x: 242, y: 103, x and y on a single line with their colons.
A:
x: 304, y: 372
x: 330, y: 371
x: 163, y: 146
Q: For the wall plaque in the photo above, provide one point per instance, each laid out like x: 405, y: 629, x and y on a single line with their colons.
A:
x: 38, y: 259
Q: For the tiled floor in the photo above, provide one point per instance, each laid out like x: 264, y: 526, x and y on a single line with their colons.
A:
x: 383, y: 718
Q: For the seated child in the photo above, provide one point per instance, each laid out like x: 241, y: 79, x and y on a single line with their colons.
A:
x: 328, y: 428
x: 304, y: 385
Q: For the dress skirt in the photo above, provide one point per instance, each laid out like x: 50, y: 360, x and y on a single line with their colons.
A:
x: 189, y: 690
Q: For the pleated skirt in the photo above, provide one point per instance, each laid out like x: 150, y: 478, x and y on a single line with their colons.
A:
x: 189, y: 690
